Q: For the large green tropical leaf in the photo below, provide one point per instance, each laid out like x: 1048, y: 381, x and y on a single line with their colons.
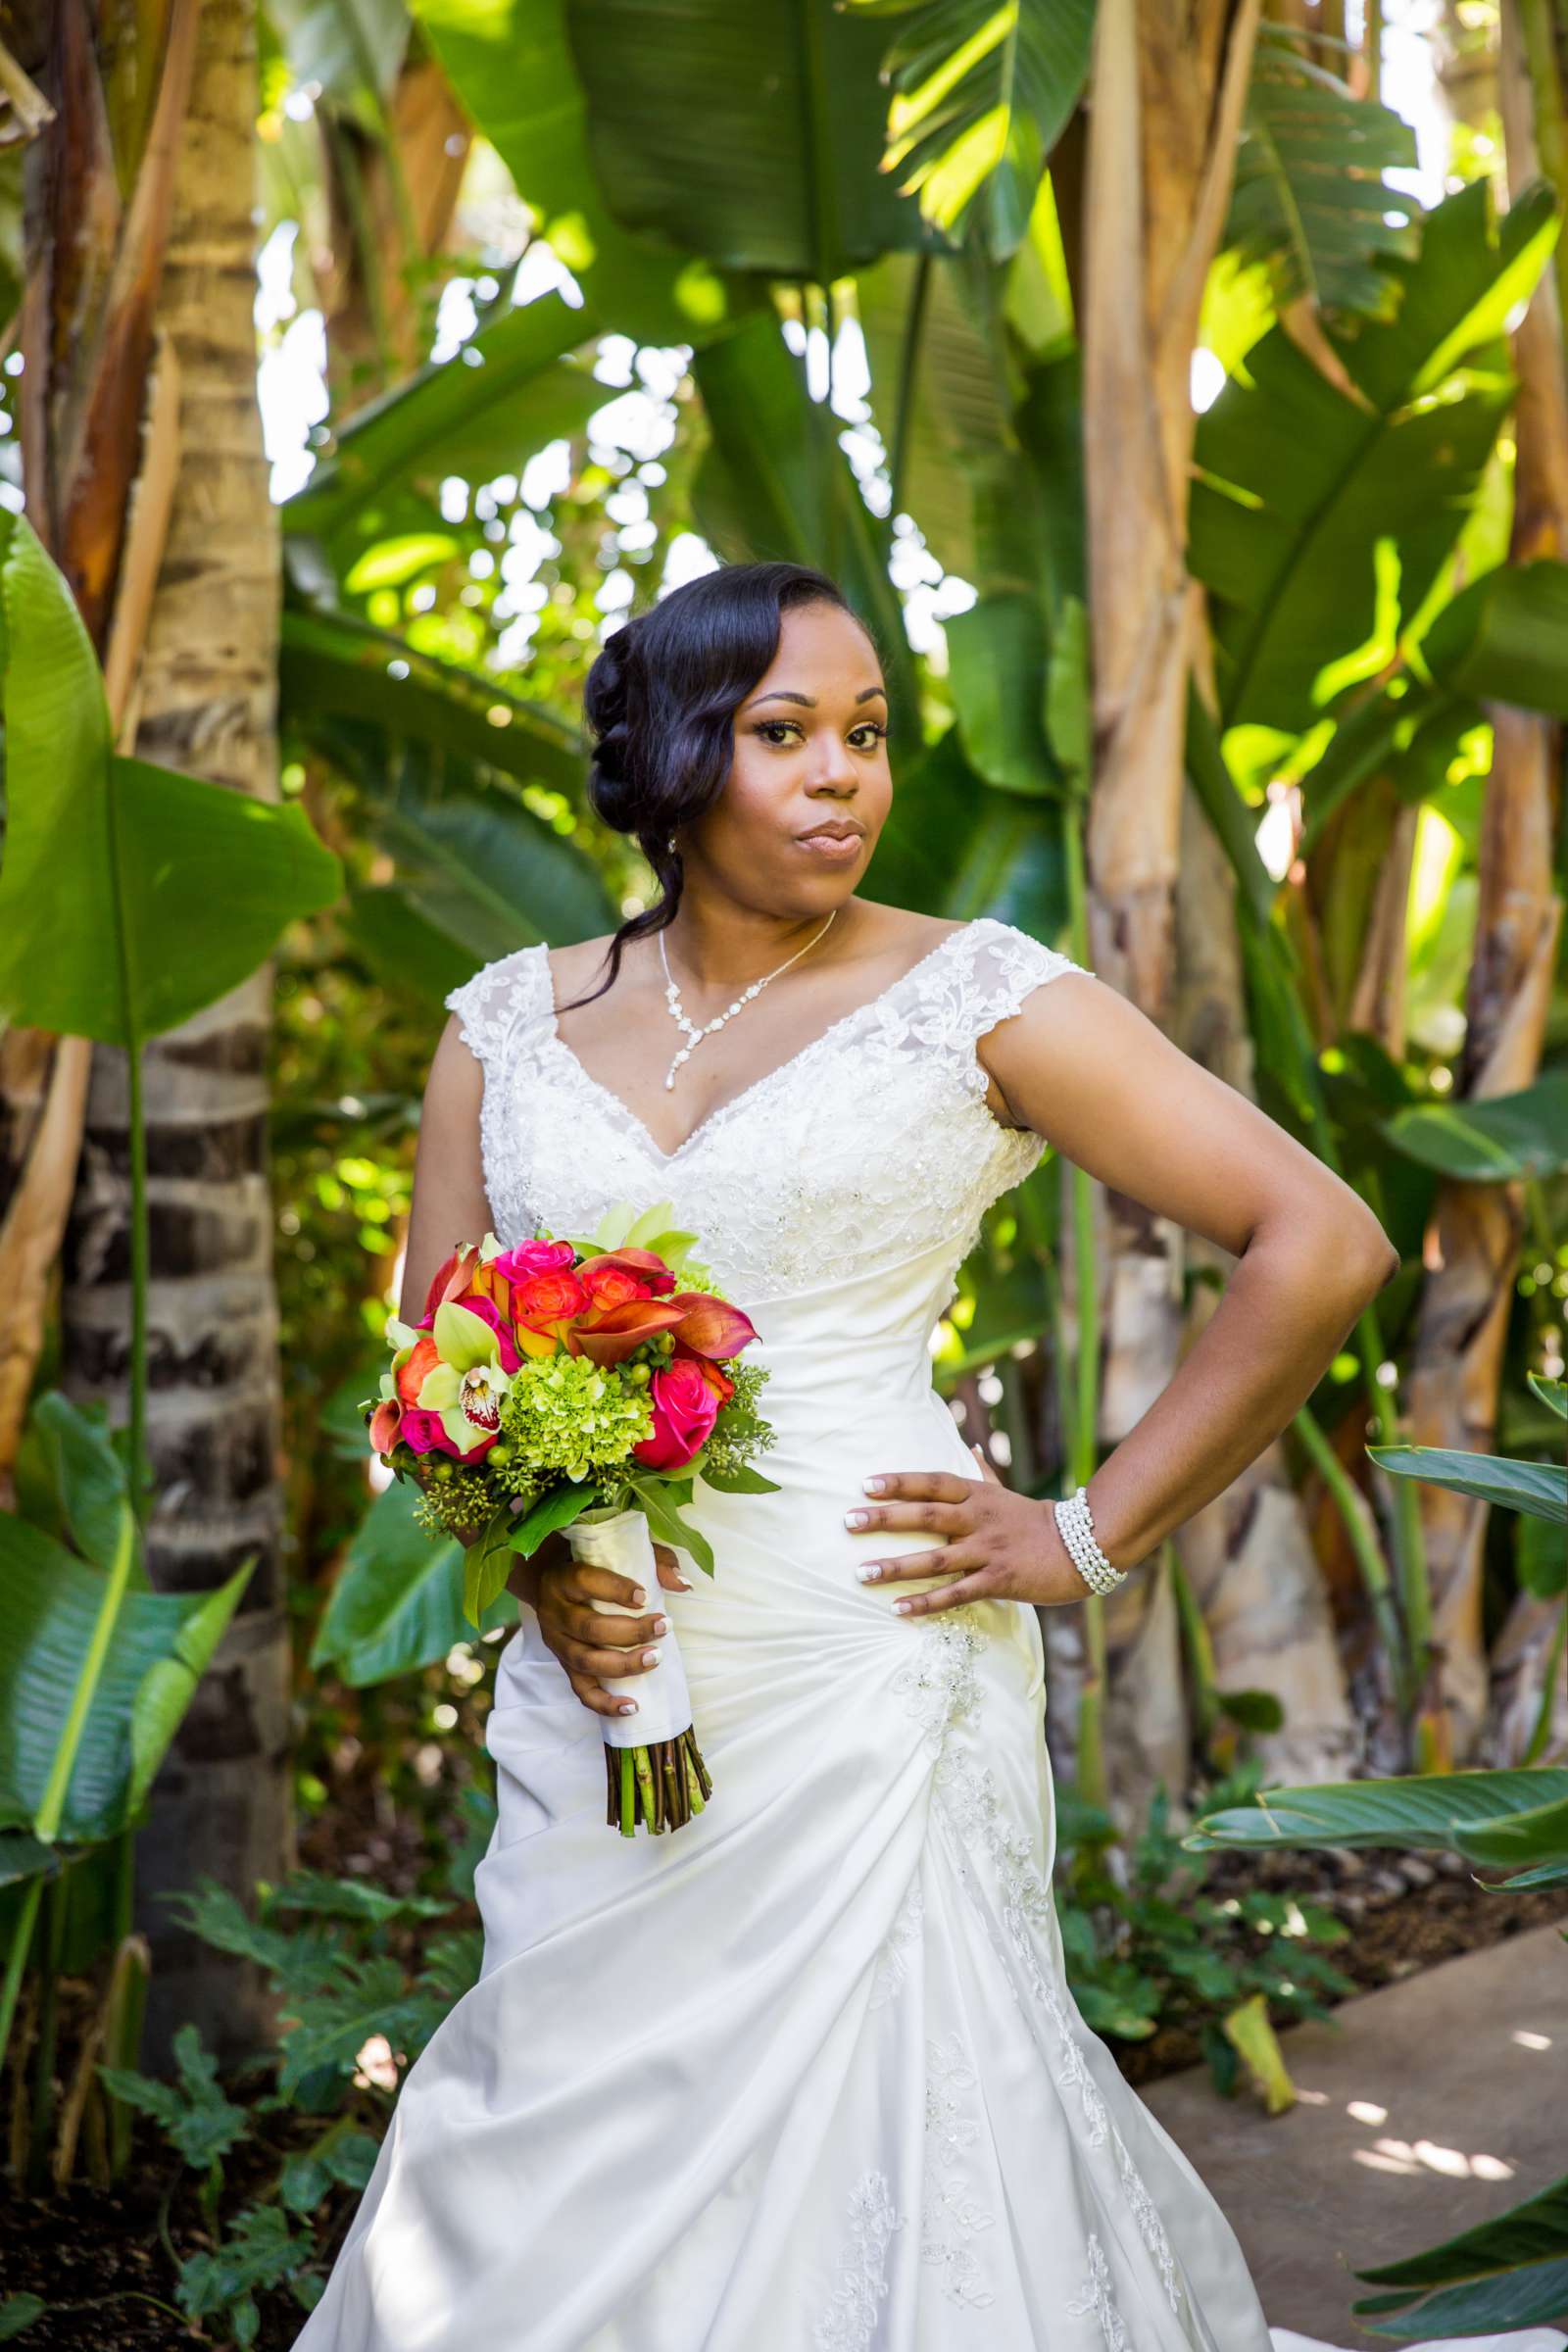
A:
x: 997, y: 668
x: 952, y: 845
x: 51, y: 1606
x: 1506, y: 2273
x: 1503, y: 638
x: 1322, y: 514
x: 335, y: 669
x: 397, y: 1604
x: 511, y: 388
x: 775, y: 483
x: 1539, y: 1490
x: 1309, y: 198
x: 749, y: 136
x: 130, y: 896
x: 983, y: 94
x: 511, y: 65
x: 1498, y: 1138
x: 1425, y: 1810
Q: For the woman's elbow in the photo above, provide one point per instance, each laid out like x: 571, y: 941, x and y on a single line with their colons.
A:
x: 1362, y: 1259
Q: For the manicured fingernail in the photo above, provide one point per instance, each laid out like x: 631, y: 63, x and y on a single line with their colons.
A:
x: 638, y: 1597
x: 661, y: 1625
x: 855, y: 1518
x: 873, y: 1486
x: 903, y: 1607
x: 869, y: 1575
x: 650, y: 1657
x: 627, y: 1706
x: 683, y: 1586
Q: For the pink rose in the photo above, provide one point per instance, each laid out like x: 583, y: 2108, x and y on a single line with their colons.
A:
x: 532, y: 1257
x: 685, y: 1409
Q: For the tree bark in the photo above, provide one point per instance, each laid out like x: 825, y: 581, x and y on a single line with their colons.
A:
x: 1166, y: 94
x: 1477, y: 1228
x: 221, y: 1802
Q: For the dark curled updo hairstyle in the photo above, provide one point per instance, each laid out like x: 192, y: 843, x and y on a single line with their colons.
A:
x: 661, y: 703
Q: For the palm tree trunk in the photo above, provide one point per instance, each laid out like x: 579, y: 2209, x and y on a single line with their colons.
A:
x: 1248, y: 1557
x: 1166, y: 95
x: 206, y: 705
x: 1477, y: 1228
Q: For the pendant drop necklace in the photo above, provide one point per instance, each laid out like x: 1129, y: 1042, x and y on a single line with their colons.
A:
x: 696, y: 1035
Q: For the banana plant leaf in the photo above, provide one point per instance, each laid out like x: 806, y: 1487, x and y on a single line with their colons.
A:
x: 130, y: 896
x: 1501, y: 1139
x: 750, y: 136
x: 397, y: 1604
x: 511, y: 388
x: 997, y: 658
x: 510, y: 63
x: 1508, y: 2271
x: 335, y: 667
x: 1423, y: 1811
x: 1503, y: 637
x: 983, y: 94
x: 50, y: 1605
x: 775, y: 483
x: 952, y: 845
x: 1299, y: 481
x: 1540, y: 1489
x: 1308, y: 198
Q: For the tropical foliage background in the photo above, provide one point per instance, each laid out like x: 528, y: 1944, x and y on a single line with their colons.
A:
x: 1206, y: 493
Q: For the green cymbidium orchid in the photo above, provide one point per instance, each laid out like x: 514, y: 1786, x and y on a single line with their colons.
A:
x: 466, y: 1388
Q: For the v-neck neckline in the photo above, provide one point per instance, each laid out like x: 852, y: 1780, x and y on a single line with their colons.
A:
x: 721, y: 1111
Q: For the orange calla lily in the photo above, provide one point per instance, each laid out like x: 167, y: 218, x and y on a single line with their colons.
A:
x: 710, y: 1326
x: 607, y: 1335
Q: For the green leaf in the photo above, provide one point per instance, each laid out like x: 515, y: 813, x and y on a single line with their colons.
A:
x: 1501, y: 1139
x: 393, y: 562
x: 556, y: 1509
x: 130, y: 897
x: 510, y: 63
x: 193, y: 2115
x: 167, y: 1689
x: 1500, y: 639
x: 50, y: 1605
x: 1537, y: 1488
x: 750, y: 136
x: 1309, y: 198
x: 1518, y: 1840
x: 997, y: 660
x: 1554, y: 1395
x: 740, y: 1480
x: 397, y: 1602
x: 506, y: 393
x: 983, y: 94
x: 1323, y: 513
x: 1522, y: 2252
x: 666, y: 1523
x: 87, y: 1474
x: 1423, y: 1811
x: 486, y: 1566
x: 19, y: 2311
x: 1253, y: 1710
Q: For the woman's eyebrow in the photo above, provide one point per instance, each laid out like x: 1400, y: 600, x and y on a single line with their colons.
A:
x: 807, y: 701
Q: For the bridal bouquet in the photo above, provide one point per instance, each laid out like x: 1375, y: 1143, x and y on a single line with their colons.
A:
x: 568, y: 1384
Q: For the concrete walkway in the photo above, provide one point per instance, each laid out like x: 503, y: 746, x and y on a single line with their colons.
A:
x: 1425, y: 2107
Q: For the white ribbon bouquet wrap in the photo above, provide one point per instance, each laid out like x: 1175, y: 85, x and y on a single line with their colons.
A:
x: 621, y: 1541
x: 654, y: 1770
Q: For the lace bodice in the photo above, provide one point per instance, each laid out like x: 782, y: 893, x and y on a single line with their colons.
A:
x: 873, y: 1141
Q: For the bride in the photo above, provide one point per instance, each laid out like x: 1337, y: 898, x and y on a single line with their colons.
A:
x: 806, y: 2076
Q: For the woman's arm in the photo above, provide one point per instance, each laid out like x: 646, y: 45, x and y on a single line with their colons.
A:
x: 449, y: 1204
x: 1086, y: 1069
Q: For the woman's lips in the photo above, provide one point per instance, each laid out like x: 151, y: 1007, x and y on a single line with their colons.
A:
x: 840, y: 848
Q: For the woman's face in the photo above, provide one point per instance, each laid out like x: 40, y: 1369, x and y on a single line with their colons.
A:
x: 809, y: 754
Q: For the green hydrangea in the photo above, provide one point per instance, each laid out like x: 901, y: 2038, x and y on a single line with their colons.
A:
x: 566, y: 1414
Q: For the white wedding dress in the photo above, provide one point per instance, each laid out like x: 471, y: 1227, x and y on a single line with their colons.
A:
x: 805, y: 2075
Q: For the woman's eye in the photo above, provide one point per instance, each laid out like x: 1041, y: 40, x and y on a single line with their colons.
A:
x: 776, y: 730
x: 872, y: 731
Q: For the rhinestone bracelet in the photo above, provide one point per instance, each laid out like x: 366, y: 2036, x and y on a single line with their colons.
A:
x: 1077, y: 1527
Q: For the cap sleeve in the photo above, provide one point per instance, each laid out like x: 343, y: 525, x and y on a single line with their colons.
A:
x: 502, y: 1003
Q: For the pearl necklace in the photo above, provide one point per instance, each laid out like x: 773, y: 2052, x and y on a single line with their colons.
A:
x: 672, y: 998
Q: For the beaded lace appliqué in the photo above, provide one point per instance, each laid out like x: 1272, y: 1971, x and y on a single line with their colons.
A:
x: 942, y: 1690
x: 878, y: 1131
x: 952, y: 2213
x: 849, y: 2324
x: 903, y: 1938
x: 1096, y: 2302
